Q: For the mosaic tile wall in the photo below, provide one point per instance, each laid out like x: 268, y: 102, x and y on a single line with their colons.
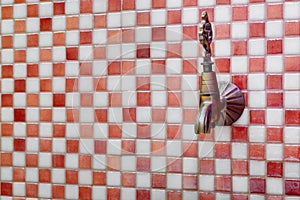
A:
x: 99, y: 98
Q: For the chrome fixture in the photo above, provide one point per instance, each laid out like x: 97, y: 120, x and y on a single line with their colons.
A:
x: 215, y: 107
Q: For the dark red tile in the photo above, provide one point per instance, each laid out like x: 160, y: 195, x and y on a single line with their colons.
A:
x: 59, y: 8
x: 275, y: 134
x: 274, y: 81
x: 59, y: 100
x: 19, y: 144
x: 274, y: 169
x: 45, y: 24
x: 19, y: 115
x: 223, y: 183
x: 159, y: 181
x: 292, y: 117
x: 257, y: 29
x: 222, y: 150
x: 292, y: 187
x: 257, y: 185
x: 72, y: 53
x: 239, y: 134
x: 143, y: 51
x: 143, y: 164
x: 143, y: 194
x: 58, y: 161
x: 274, y: 46
x: 6, y: 189
x: 257, y: 116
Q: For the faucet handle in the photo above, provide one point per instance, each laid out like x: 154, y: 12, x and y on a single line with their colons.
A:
x: 205, y: 33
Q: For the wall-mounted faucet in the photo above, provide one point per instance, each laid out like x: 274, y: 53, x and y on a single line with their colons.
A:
x: 215, y: 107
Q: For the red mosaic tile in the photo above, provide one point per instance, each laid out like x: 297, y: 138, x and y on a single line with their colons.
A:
x: 239, y: 13
x: 58, y: 161
x: 190, y: 149
x: 58, y: 191
x: 292, y: 28
x: 143, y: 131
x: 143, y: 164
x: 222, y: 31
x: 18, y: 174
x: 45, y: 115
x: 59, y: 8
x: 128, y: 67
x: 158, y: 3
x: 292, y: 117
x: 99, y: 178
x: 143, y: 83
x: 72, y: 146
x: 7, y: 71
x: 158, y: 34
x: 174, y: 17
x: 85, y: 37
x: 19, y: 26
x: 32, y: 10
x: 101, y: 115
x: 129, y: 114
x: 6, y: 159
x: 256, y: 151
x: 19, y: 115
x: 257, y: 29
x: 114, y: 131
x: 86, y: 130
x: 173, y: 50
x: 143, y: 51
x: 59, y: 130
x: 143, y: 18
x: 239, y: 197
x: 113, y: 193
x: 256, y: 64
x: 85, y: 192
x: 31, y: 160
x: 143, y: 194
x: 257, y: 116
x: 207, y: 195
x: 274, y: 169
x: 222, y: 150
x: 190, y: 182
x: 45, y: 55
x: 291, y: 153
x: 6, y: 101
x: 71, y: 84
x: 32, y: 190
x: 100, y: 21
x: 59, y: 100
x: 59, y: 39
x: 72, y: 23
x: 115, y: 99
x: 114, y: 5
x: 45, y: 175
x: 240, y: 167
x: 32, y: 130
x: 189, y: 3
x: 32, y: 100
x: 158, y: 114
x: 72, y: 115
x: 32, y: 70
x: 100, y: 146
x: 173, y: 83
x: 189, y: 66
x: 7, y: 41
x: 6, y: 189
x: 158, y: 181
x: 223, y: 183
x: 258, y: 185
x: 174, y: 165
x: 100, y: 84
x: 174, y: 132
x: 174, y: 99
x: 86, y: 6
x: 174, y: 195
x: 128, y: 5
x: 59, y: 69
x: 72, y: 53
x: 128, y: 146
x: 292, y: 187
x: 7, y: 12
x: 274, y: 81
x: 210, y: 12
x: 275, y: 99
x: 275, y: 134
x: 114, y: 36
x: 292, y: 63
x: 7, y: 129
x: 85, y: 161
x: 20, y: 55
x: 143, y: 98
x: 19, y: 144
x: 128, y: 179
x: 275, y: 11
x: 158, y: 147
x: 71, y: 177
x: 241, y: 81
x: 239, y: 134
x: 45, y: 24
x: 189, y: 115
x: 190, y: 32
x: 274, y: 46
x: 239, y: 48
x: 206, y: 166
x: 113, y: 163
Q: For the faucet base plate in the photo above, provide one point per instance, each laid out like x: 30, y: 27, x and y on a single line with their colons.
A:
x: 233, y: 103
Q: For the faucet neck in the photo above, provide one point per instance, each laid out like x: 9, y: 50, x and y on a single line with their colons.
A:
x: 207, y: 63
